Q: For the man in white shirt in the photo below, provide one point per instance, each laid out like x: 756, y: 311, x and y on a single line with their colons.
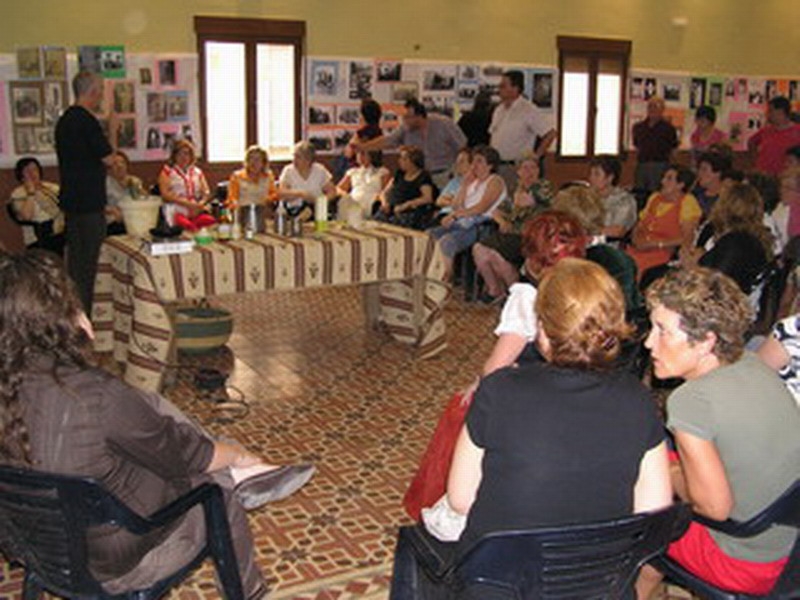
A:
x: 516, y: 124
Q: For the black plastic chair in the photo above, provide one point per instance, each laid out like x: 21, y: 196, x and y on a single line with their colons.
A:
x: 784, y: 511
x: 593, y: 561
x: 43, y: 523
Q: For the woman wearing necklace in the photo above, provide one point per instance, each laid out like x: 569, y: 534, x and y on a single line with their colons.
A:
x: 182, y: 184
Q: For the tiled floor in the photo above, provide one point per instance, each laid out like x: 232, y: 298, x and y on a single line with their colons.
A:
x: 321, y: 388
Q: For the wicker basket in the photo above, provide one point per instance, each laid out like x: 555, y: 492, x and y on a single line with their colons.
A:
x: 140, y: 216
x: 200, y: 329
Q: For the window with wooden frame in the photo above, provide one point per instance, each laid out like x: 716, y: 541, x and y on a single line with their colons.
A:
x: 593, y: 76
x: 250, y: 85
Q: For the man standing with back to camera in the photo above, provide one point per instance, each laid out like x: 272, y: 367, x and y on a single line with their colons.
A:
x: 83, y: 153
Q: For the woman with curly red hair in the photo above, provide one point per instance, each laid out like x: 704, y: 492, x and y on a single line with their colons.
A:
x: 546, y: 239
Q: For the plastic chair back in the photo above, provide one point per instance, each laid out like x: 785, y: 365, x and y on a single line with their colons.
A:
x: 783, y: 511
x: 43, y: 523
x: 575, y: 562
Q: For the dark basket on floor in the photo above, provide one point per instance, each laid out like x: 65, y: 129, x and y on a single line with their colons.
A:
x: 201, y: 329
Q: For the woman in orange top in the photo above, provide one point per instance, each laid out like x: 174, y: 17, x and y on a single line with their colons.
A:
x: 253, y: 184
x: 668, y: 221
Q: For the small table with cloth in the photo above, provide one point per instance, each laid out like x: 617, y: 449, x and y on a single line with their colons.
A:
x: 403, y: 270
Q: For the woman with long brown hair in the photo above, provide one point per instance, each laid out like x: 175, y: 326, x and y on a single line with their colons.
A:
x: 60, y: 414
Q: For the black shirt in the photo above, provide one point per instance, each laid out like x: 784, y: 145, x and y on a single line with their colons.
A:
x: 81, y: 147
x: 404, y: 190
x: 740, y: 255
x: 561, y: 446
x: 654, y: 143
x: 475, y: 125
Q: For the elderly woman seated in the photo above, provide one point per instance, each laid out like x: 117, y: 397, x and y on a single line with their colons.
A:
x: 407, y: 200
x: 667, y: 223
x: 60, y: 414
x: 620, y: 205
x: 303, y: 181
x: 532, y: 452
x: 498, y: 256
x: 34, y: 205
x: 481, y: 191
x: 120, y: 186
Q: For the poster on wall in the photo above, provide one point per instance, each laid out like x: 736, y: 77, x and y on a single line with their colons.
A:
x: 167, y: 73
x: 29, y: 63
x: 697, y: 92
x: 542, y: 94
x: 26, y: 102
x: 108, y: 61
x: 359, y: 79
x: 323, y: 78
x: 388, y: 70
x: 55, y: 101
x: 404, y: 91
x: 54, y: 59
x: 439, y: 78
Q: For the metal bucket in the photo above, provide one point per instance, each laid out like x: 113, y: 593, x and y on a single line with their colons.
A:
x: 253, y: 218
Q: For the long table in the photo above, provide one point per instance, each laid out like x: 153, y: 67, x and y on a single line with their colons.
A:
x: 402, y: 271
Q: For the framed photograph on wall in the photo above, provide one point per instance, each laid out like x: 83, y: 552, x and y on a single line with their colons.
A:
x: 55, y: 62
x: 29, y: 63
x: 26, y: 102
x: 25, y: 140
x: 55, y: 101
x: 404, y: 90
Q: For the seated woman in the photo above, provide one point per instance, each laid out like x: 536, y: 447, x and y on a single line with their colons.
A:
x: 446, y: 198
x: 546, y: 239
x: 407, y: 200
x: 303, y: 181
x: 587, y: 206
x: 620, y: 205
x: 363, y: 184
x: 120, y: 185
x: 480, y: 193
x: 60, y: 414
x: 254, y: 183
x: 541, y: 441
x: 781, y: 352
x: 182, y: 184
x: 34, y: 205
x: 667, y: 223
x: 498, y: 256
x: 732, y: 463
x: 738, y: 243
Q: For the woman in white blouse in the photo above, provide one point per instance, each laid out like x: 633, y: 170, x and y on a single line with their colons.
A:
x: 365, y: 182
x: 304, y: 180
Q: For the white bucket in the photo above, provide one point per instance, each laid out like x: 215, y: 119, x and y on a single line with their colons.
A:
x: 140, y: 216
